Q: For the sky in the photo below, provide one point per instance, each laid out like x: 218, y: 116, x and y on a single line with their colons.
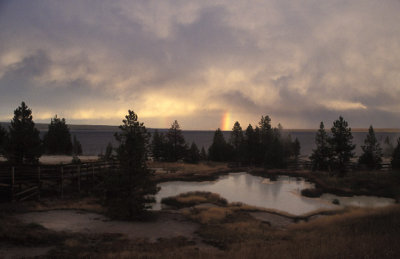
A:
x: 204, y: 63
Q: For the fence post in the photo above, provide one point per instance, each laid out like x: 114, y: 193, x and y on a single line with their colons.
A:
x: 39, y: 183
x: 62, y: 182
x: 12, y: 182
x: 79, y: 178
x: 92, y: 176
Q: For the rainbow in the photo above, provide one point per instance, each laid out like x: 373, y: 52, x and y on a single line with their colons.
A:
x: 226, y: 121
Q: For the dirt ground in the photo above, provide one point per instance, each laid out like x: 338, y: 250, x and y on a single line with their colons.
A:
x: 165, y: 225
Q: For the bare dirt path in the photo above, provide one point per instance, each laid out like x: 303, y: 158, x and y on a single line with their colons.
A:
x: 274, y: 219
x: 23, y: 252
x: 166, y: 225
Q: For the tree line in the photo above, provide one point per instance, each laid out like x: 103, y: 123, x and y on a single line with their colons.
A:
x: 260, y: 146
x: 334, y: 151
x: 21, y: 143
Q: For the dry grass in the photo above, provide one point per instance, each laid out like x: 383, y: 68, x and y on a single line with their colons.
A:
x: 186, y: 171
x: 357, y: 234
x: 210, y: 215
x: 190, y: 199
x: 186, y: 167
x: 87, y: 204
x: 379, y: 183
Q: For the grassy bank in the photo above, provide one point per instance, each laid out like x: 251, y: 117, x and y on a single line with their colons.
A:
x: 190, y: 199
x: 204, y: 171
x: 377, y: 183
x: 357, y: 234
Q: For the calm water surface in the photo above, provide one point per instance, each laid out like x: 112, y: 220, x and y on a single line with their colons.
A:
x: 282, y: 194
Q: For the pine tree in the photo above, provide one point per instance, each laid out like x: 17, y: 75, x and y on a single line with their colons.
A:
x: 396, y: 157
x: 129, y: 193
x: 203, y: 154
x: 193, y: 154
x: 3, y: 140
x: 269, y: 146
x: 296, y: 148
x: 175, y: 144
x: 24, y: 145
x: 57, y: 140
x: 341, y: 143
x: 250, y: 144
x: 108, y: 155
x: 372, y: 151
x: 76, y: 147
x: 259, y: 151
x: 388, y: 148
x: 237, y: 141
x: 219, y: 150
x: 158, y: 146
x: 321, y: 156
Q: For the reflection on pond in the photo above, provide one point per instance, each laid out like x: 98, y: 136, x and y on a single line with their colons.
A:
x: 282, y: 194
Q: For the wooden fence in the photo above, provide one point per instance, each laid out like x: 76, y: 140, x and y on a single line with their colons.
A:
x: 19, y: 183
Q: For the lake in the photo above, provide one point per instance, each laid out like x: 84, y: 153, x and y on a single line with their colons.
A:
x: 94, y: 138
x: 95, y: 141
x: 283, y: 195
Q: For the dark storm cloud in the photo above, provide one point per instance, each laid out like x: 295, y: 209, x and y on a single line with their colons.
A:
x: 300, y: 62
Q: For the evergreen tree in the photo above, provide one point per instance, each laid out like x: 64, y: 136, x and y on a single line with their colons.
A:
x: 341, y: 143
x: 389, y: 148
x: 129, y: 193
x: 396, y: 156
x: 258, y: 149
x: 76, y: 147
x: 250, y: 144
x: 321, y: 156
x: 24, y: 145
x: 158, y: 146
x: 175, y: 144
x: 276, y: 157
x: 203, y: 154
x: 273, y: 149
x: 296, y: 148
x: 219, y: 150
x: 57, y: 140
x: 193, y: 154
x: 3, y: 139
x: 372, y: 152
x: 108, y: 155
x: 269, y: 146
x: 237, y: 141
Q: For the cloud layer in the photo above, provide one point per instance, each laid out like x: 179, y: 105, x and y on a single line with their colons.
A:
x: 300, y: 62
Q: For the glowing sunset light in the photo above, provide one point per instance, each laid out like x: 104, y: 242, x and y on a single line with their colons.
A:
x: 226, y: 121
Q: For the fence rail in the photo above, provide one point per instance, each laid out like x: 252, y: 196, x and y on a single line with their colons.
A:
x: 19, y: 183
